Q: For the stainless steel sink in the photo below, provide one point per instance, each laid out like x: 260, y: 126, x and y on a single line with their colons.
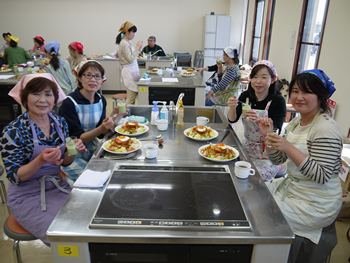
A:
x: 191, y: 113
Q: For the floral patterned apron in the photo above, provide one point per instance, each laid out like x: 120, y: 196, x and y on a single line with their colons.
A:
x: 254, y: 145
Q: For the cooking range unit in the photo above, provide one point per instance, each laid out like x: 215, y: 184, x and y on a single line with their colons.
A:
x: 183, y: 198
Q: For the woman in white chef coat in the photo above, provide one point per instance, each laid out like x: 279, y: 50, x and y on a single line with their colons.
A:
x: 310, y: 196
x: 128, y: 59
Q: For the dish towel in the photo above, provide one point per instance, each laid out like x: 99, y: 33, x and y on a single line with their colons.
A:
x: 92, y: 179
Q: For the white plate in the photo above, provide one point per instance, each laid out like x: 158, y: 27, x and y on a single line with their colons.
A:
x: 215, y: 160
x: 6, y: 70
x: 192, y: 74
x: 140, y: 145
x: 136, y: 134
x: 196, y: 139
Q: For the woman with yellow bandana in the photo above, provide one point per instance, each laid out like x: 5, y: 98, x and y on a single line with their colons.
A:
x: 14, y: 54
x: 128, y: 59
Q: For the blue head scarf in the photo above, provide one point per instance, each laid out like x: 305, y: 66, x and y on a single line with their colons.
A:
x: 329, y: 85
x: 52, y: 47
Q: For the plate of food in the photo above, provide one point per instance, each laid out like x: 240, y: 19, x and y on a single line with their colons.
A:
x: 132, y: 128
x: 191, y: 70
x: 187, y: 74
x: 201, y: 133
x: 218, y: 152
x: 122, y: 145
x: 40, y: 71
x: 153, y: 70
x: 3, y: 69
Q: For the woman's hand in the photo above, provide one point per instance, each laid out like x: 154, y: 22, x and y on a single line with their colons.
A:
x: 52, y: 155
x: 139, y: 45
x: 232, y: 102
x: 107, y: 124
x: 209, y: 94
x: 80, y: 146
x: 115, y: 113
x: 278, y: 143
x: 252, y: 115
x: 264, y: 125
x: 220, y: 67
x: 201, y: 69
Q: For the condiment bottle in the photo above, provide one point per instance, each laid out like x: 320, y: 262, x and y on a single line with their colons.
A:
x: 155, y: 113
x: 180, y: 114
x: 164, y: 112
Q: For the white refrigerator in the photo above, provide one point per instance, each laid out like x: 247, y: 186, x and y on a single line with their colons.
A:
x: 216, y: 38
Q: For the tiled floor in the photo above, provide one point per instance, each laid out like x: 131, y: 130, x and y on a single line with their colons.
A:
x: 37, y: 252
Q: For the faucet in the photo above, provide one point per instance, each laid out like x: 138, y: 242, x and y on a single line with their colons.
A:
x: 156, y: 52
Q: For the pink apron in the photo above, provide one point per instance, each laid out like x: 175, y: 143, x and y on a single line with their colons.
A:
x: 27, y: 201
x: 254, y: 145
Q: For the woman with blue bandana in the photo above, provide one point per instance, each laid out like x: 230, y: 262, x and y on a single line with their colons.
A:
x: 310, y: 196
x: 60, y: 68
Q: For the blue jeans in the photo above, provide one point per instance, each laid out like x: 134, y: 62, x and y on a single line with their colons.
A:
x: 209, y: 103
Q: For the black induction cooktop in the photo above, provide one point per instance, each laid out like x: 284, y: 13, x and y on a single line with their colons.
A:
x: 191, y: 198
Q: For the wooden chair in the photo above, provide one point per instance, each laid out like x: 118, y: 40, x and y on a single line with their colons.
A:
x: 16, y: 232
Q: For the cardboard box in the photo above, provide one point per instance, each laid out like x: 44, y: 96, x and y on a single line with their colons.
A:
x: 344, y: 176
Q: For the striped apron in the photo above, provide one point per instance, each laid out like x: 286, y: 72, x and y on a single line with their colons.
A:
x: 307, y: 205
x: 89, y: 116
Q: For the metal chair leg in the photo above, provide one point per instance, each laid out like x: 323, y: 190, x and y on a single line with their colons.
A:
x: 17, y: 252
x: 3, y: 191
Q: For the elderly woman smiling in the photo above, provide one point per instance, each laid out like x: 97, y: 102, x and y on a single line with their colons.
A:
x: 33, y: 149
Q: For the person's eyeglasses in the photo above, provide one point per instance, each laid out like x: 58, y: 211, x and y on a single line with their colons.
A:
x: 89, y: 76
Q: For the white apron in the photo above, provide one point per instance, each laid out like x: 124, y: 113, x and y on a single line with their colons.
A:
x: 254, y: 145
x: 131, y: 74
x: 307, y: 205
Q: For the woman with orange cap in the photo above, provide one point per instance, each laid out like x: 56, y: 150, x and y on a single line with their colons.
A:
x: 39, y: 45
x: 128, y: 59
x: 76, y: 54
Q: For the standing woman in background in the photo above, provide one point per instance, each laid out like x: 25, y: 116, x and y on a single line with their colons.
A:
x: 76, y: 54
x: 128, y: 59
x: 59, y: 68
x: 14, y: 54
x: 39, y: 45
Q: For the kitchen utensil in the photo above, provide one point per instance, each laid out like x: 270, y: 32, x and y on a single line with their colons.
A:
x: 152, y: 138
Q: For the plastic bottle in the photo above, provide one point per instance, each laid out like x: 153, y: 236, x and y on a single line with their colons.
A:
x: 164, y: 111
x: 180, y: 114
x: 155, y: 113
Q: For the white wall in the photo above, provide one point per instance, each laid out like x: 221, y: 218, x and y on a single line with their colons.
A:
x: 334, y: 51
x: 178, y: 25
x: 237, y: 12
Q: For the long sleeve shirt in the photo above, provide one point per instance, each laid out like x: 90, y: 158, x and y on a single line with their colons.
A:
x: 126, y: 55
x: 229, y: 75
x: 276, y: 111
x: 324, y: 144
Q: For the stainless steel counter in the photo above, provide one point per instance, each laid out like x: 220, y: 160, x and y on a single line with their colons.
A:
x: 195, y: 82
x: 271, y: 234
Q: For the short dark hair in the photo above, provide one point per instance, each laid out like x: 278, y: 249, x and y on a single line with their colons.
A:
x: 153, y: 38
x: 38, y: 41
x: 89, y: 64
x: 272, y: 89
x: 36, y: 85
x: 6, y: 34
x: 310, y: 83
x: 119, y: 37
x: 13, y: 43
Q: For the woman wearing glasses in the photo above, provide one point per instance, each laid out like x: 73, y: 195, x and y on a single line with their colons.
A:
x: 85, y: 112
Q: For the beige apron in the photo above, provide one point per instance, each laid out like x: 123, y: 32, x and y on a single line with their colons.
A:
x: 131, y: 74
x: 307, y: 205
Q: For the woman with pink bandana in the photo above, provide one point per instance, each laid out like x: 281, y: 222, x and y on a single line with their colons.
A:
x: 266, y: 102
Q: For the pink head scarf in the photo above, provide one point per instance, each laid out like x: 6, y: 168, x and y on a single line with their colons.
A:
x: 15, y: 92
x: 268, y: 64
